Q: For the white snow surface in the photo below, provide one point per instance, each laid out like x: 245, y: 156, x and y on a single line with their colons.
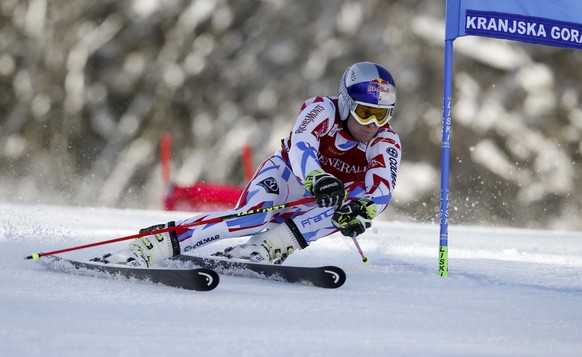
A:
x: 509, y: 292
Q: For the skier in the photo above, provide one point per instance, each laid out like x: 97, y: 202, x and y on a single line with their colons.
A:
x: 342, y: 151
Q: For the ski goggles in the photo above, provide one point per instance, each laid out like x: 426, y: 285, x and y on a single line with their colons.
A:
x: 365, y: 114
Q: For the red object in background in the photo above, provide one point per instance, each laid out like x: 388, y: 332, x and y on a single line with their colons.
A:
x: 248, y: 166
x: 205, y: 197
x: 166, y: 157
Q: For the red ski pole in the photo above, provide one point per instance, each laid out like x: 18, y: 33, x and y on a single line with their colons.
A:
x: 36, y: 256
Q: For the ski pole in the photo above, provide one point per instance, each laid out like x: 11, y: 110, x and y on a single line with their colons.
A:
x: 364, y: 258
x: 36, y: 256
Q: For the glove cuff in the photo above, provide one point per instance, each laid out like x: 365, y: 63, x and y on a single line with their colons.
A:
x: 308, y: 182
x: 368, y: 207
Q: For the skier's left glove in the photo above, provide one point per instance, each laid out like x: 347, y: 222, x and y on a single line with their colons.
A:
x: 354, y: 217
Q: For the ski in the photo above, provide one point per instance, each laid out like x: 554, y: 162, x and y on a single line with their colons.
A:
x: 324, y: 277
x: 199, y: 279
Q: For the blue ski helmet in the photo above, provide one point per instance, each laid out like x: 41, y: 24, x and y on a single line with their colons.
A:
x: 368, y: 84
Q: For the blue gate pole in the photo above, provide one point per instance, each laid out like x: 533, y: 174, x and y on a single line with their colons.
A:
x: 446, y: 161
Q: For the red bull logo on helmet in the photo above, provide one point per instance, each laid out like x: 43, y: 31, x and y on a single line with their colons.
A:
x: 386, y: 91
x: 379, y: 85
x: 379, y: 82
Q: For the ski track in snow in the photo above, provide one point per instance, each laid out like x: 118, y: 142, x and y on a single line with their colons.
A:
x: 509, y: 292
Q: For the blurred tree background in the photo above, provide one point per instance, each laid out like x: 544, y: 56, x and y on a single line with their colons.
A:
x: 87, y: 87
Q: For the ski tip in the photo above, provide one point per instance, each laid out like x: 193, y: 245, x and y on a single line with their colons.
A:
x: 335, y: 277
x: 211, y: 278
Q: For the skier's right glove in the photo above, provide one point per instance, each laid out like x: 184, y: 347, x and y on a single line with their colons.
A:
x: 326, y: 188
x: 354, y: 217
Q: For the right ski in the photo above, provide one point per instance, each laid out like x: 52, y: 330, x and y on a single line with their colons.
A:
x: 324, y: 277
x: 201, y: 279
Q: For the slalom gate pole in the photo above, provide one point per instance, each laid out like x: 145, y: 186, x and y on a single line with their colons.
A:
x: 443, y: 258
x: 36, y: 256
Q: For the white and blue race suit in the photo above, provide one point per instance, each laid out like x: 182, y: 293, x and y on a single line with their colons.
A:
x: 319, y: 140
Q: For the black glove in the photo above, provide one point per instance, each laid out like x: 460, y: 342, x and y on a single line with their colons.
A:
x: 327, y: 189
x: 354, y: 217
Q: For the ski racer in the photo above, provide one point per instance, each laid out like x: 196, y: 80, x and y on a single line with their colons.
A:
x: 341, y: 151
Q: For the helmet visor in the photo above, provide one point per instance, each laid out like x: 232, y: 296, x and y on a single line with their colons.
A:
x: 366, y: 115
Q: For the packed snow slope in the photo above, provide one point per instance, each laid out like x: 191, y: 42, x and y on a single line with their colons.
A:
x: 509, y: 293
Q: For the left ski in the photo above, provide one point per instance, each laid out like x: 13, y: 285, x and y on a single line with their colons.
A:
x: 329, y: 277
x: 201, y: 279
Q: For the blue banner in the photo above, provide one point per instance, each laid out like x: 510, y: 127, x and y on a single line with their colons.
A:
x: 548, y: 22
